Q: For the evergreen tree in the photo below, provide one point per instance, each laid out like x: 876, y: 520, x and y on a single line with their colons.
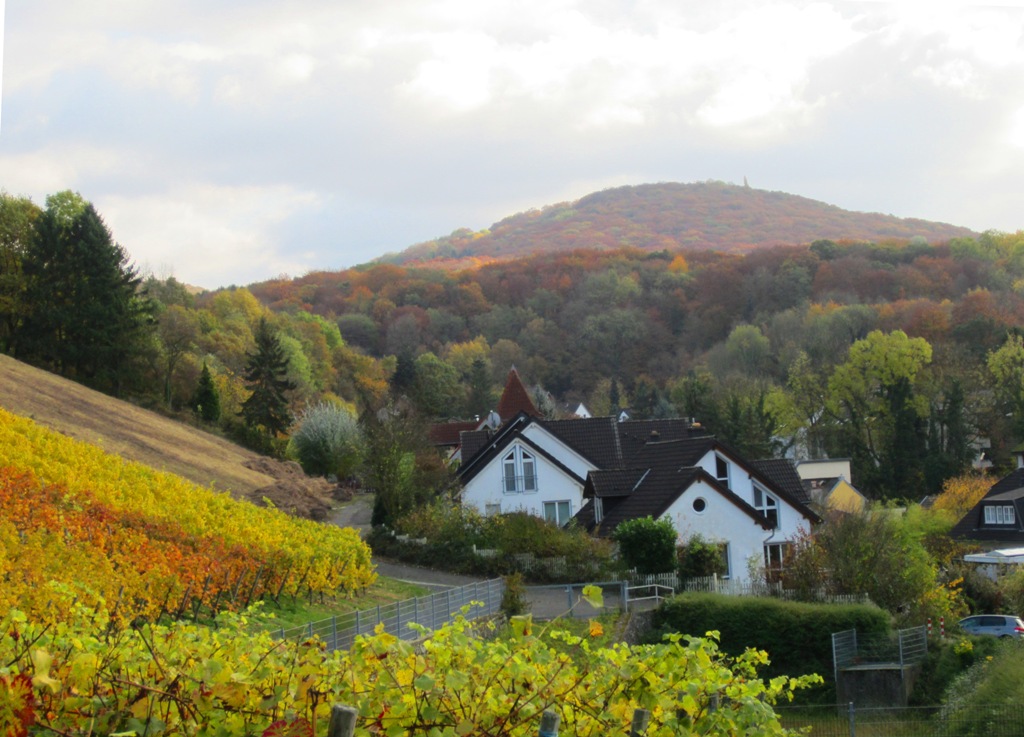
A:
x: 86, y: 318
x: 206, y: 400
x: 266, y: 372
x: 480, y: 399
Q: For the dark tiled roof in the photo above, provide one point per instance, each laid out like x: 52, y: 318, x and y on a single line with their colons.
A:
x: 972, y: 526
x: 783, y: 473
x: 615, y: 482
x: 515, y: 398
x: 449, y: 433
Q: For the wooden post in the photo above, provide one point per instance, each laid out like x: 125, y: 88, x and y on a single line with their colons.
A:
x: 549, y: 722
x: 343, y: 721
x: 641, y: 718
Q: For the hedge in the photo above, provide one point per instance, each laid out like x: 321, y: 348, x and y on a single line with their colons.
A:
x: 796, y: 635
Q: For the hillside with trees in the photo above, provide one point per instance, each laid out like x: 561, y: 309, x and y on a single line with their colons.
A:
x: 698, y: 216
x: 899, y: 354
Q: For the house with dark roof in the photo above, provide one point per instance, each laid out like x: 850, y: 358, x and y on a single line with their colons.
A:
x: 601, y: 471
x: 997, y: 520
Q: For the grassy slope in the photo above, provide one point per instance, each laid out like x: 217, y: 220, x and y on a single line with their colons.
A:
x: 126, y: 430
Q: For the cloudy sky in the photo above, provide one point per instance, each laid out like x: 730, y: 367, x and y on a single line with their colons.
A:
x: 226, y: 142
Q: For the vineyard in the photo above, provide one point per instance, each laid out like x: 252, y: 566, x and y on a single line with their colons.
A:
x: 124, y: 601
x: 77, y: 524
x: 182, y: 678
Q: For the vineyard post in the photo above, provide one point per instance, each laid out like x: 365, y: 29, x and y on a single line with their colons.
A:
x: 284, y: 580
x: 252, y: 589
x: 549, y: 722
x: 416, y: 609
x: 641, y: 718
x: 343, y: 721
x: 568, y: 594
x: 199, y: 602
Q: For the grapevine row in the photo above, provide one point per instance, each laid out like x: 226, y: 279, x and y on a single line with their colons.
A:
x: 148, y: 541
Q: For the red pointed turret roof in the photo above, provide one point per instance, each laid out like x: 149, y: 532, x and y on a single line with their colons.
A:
x: 515, y: 398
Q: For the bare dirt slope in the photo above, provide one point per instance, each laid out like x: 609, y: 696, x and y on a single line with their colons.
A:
x: 146, y: 437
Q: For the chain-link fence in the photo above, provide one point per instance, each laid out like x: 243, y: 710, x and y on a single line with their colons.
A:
x: 1003, y: 720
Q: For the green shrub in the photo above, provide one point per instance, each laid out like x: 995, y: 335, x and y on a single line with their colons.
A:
x: 699, y: 558
x: 452, y: 531
x: 646, y: 544
x: 796, y: 635
x: 992, y: 682
x: 946, y: 660
x: 328, y: 441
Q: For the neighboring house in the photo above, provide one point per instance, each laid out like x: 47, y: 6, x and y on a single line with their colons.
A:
x: 447, y: 436
x: 754, y: 509
x: 998, y: 518
x: 540, y: 466
x: 602, y: 472
x: 827, y: 483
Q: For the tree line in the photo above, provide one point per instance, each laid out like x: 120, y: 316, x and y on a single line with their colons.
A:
x: 898, y: 355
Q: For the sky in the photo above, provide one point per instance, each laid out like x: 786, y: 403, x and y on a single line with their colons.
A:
x: 228, y: 142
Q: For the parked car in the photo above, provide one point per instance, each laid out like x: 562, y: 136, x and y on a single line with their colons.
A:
x: 997, y: 625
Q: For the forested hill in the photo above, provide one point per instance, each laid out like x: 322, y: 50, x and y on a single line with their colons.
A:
x: 704, y: 215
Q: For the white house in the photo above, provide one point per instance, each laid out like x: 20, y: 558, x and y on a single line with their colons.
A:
x: 603, y: 472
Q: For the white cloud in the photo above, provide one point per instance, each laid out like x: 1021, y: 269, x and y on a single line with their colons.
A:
x: 357, y: 125
x: 203, y: 232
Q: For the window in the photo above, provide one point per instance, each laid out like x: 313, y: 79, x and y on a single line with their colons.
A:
x: 699, y: 505
x: 598, y: 509
x: 1000, y: 514
x: 557, y: 512
x: 722, y: 470
x: 492, y: 510
x: 723, y: 550
x: 774, y: 558
x: 767, y: 505
x: 518, y: 472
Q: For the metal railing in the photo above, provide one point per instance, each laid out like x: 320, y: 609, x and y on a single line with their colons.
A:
x: 432, y: 612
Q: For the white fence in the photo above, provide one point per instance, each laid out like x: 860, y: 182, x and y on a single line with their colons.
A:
x: 715, y: 584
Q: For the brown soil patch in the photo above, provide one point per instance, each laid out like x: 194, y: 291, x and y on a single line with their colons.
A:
x: 149, y: 438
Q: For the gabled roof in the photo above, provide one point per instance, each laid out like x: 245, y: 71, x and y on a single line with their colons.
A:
x: 652, y: 495
x: 783, y: 472
x: 515, y: 398
x: 661, y: 471
x: 603, y: 441
x: 1008, y: 490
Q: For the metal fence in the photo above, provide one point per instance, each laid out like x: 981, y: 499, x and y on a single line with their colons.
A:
x: 431, y: 612
x: 909, y: 647
x: 1001, y: 720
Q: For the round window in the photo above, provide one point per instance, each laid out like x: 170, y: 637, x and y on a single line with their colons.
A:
x: 699, y: 505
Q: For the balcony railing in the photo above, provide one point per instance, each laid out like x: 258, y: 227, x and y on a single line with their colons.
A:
x: 519, y: 484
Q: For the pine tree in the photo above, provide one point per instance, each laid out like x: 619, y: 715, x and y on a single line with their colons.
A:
x: 86, y: 317
x: 206, y: 400
x: 266, y: 409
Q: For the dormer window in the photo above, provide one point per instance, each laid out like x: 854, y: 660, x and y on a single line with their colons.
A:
x: 722, y: 470
x: 519, y: 472
x: 1000, y: 514
x: 767, y: 505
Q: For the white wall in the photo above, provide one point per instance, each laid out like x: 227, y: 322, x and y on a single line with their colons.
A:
x: 553, y: 485
x: 721, y: 521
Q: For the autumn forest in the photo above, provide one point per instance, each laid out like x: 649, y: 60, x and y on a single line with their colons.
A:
x: 904, y: 353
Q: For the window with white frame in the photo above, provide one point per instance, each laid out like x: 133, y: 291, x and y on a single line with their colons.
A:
x: 767, y: 505
x: 774, y: 559
x: 598, y: 509
x: 558, y: 512
x: 519, y: 472
x: 1000, y: 514
x: 492, y: 510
